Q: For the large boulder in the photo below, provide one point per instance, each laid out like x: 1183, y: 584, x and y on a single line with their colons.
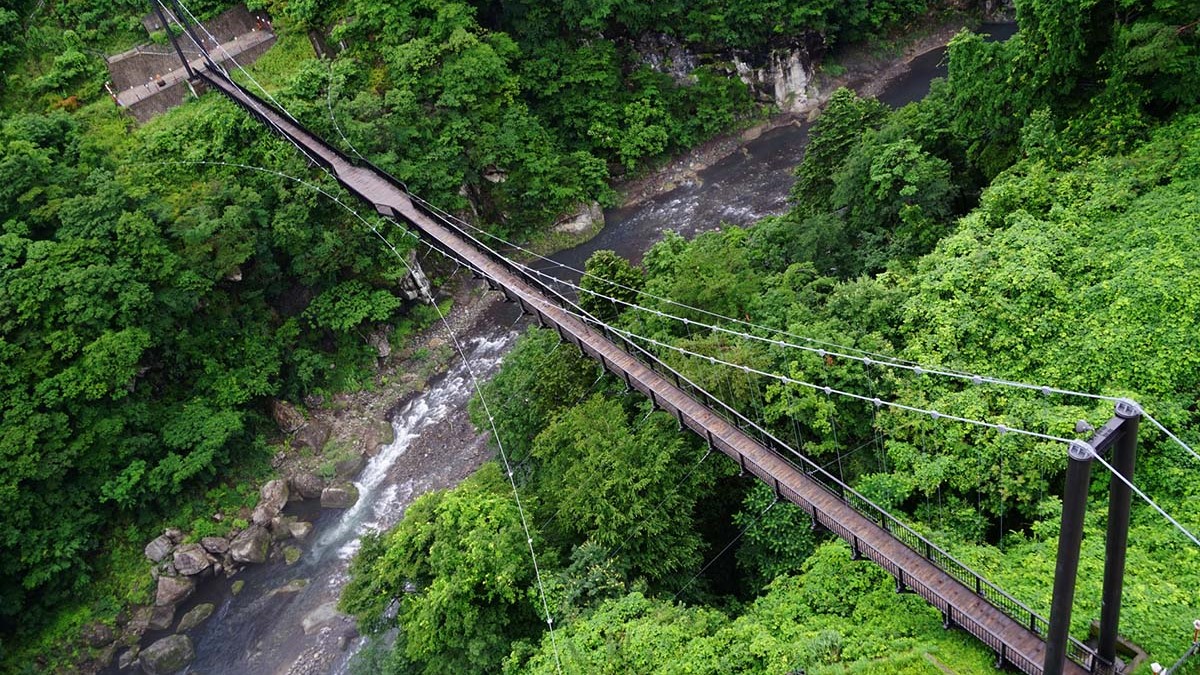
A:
x: 281, y: 527
x: 272, y: 498
x: 168, y: 655
x: 128, y: 658
x: 250, y: 546
x: 339, y: 496
x: 139, y: 623
x: 172, y: 590
x: 159, y: 548
x: 308, y: 485
x: 98, y: 634
x: 314, y: 435
x: 300, y: 530
x: 287, y: 416
x: 162, y: 617
x: 192, y: 559
x: 378, y: 435
x: 349, y: 467
x: 322, y: 615
x: 215, y: 545
x: 196, y: 616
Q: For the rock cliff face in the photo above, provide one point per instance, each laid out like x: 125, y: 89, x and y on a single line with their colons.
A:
x: 781, y: 75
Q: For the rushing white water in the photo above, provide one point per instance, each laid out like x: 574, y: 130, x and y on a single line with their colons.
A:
x: 260, y: 631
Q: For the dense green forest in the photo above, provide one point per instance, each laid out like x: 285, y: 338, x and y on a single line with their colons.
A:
x: 1034, y: 218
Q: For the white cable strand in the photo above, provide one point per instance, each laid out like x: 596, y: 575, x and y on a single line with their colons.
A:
x: 1131, y: 486
x: 866, y: 358
x: 470, y: 371
x: 1170, y: 435
x: 859, y: 397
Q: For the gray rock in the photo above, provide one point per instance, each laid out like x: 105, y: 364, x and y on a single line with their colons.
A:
x: 192, y: 559
x: 309, y: 485
x: 172, y: 590
x: 281, y: 527
x: 379, y: 434
x: 322, y: 615
x: 349, y: 467
x: 293, y: 586
x: 272, y: 498
x: 139, y: 622
x: 287, y: 416
x: 104, y: 656
x: 168, y: 655
x: 588, y: 217
x: 128, y: 658
x: 215, y: 545
x: 314, y: 435
x: 159, y: 548
x: 251, y: 545
x: 340, y: 496
x: 162, y: 617
x: 98, y: 634
x: 300, y: 530
x: 196, y: 616
x: 174, y: 534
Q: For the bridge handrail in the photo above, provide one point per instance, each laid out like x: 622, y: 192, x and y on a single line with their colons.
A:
x: 940, y: 558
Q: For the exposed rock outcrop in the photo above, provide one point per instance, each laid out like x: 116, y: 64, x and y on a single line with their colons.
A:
x: 415, y: 285
x: 287, y: 416
x: 192, y: 559
x: 98, y: 634
x: 588, y: 216
x: 250, y: 546
x: 159, y: 548
x: 309, y: 485
x: 168, y: 655
x: 161, y: 618
x: 196, y: 616
x: 215, y: 545
x: 349, y: 467
x: 314, y: 435
x: 322, y: 615
x: 380, y: 340
x: 784, y: 79
x: 339, y: 496
x: 172, y: 590
x: 128, y: 658
x: 272, y: 498
x: 300, y: 530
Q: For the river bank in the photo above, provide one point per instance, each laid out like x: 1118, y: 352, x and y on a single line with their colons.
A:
x: 867, y: 69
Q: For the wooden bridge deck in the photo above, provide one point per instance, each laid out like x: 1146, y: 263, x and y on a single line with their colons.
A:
x: 963, y: 607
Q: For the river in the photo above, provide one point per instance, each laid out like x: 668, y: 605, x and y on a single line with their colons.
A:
x: 281, y: 622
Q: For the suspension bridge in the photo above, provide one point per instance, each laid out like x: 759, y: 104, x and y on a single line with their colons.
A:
x: 1020, y: 637
x: 965, y: 599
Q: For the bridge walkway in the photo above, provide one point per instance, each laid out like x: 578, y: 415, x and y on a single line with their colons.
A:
x: 915, y: 571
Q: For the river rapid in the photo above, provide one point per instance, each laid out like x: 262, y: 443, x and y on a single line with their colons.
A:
x: 283, y: 622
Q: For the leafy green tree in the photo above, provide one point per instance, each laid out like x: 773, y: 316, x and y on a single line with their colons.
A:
x: 617, y: 485
x: 540, y: 377
x: 458, y: 564
x: 612, y: 276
